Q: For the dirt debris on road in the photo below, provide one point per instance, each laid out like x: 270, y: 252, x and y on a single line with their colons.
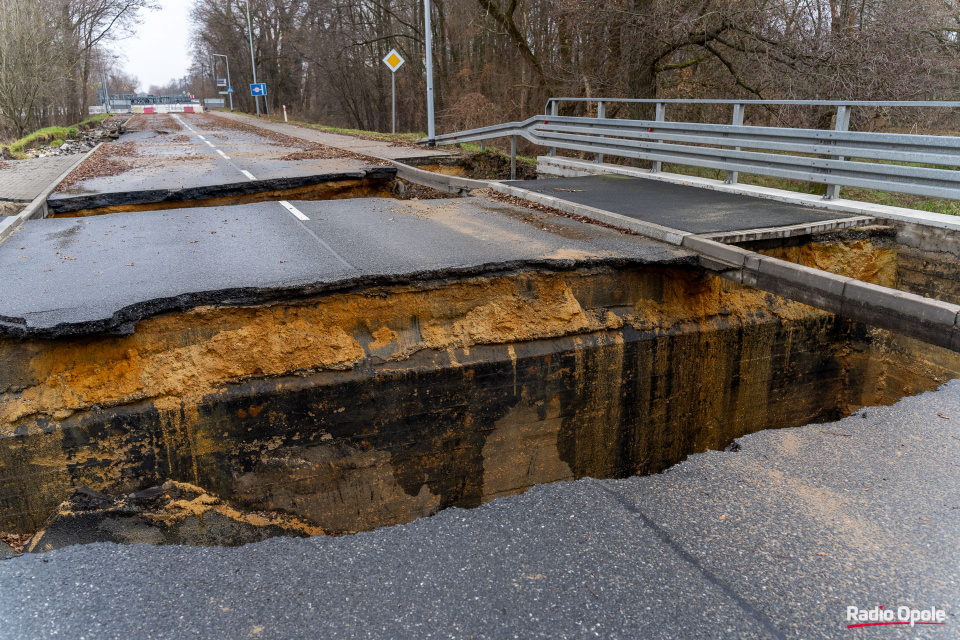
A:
x: 109, y: 160
x: 305, y: 150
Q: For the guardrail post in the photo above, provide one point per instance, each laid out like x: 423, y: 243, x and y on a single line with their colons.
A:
x: 601, y: 113
x: 513, y: 157
x: 661, y: 117
x: 483, y: 145
x: 553, y: 111
x: 843, y: 124
x: 737, y: 121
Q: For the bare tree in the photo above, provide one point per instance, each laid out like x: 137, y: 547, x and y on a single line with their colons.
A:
x: 26, y: 59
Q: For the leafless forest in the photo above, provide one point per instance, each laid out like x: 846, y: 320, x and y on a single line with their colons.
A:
x: 499, y: 59
x: 53, y: 54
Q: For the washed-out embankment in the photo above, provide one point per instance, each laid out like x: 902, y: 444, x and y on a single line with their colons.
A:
x: 378, y: 405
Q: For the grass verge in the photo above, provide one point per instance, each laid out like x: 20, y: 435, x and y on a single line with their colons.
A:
x: 54, y: 136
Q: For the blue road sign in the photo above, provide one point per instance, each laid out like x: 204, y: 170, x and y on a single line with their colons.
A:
x: 259, y: 89
x: 229, y: 89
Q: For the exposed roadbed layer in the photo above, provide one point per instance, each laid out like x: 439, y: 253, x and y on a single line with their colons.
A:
x: 680, y: 207
x: 60, y: 204
x: 773, y: 541
x: 103, y: 274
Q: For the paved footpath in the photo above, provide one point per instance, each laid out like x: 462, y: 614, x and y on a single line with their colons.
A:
x: 24, y: 180
x: 373, y: 148
x: 776, y: 540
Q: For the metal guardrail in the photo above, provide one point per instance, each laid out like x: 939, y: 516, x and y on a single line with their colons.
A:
x: 833, y: 157
x: 552, y: 103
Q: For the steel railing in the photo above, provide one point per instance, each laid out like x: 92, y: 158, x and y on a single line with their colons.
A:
x: 835, y: 157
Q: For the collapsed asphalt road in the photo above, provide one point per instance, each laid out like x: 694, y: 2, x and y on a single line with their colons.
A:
x: 139, y: 264
x: 182, y: 158
x: 776, y: 540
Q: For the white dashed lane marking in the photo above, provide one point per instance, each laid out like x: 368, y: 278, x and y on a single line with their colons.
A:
x: 286, y: 205
x: 292, y: 209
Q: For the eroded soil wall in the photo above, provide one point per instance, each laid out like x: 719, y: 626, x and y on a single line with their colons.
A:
x: 358, y: 410
x: 913, y: 258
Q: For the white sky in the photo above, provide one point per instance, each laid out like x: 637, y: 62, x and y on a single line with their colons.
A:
x: 160, y: 49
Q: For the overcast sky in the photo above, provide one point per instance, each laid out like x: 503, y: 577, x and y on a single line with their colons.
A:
x: 160, y: 50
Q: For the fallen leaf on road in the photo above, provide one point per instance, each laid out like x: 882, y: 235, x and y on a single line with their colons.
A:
x: 925, y: 519
x: 821, y: 553
x: 128, y: 265
x: 943, y: 416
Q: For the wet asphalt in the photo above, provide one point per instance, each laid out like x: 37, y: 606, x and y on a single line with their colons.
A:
x: 775, y: 540
x: 88, y: 274
x: 203, y: 154
x: 676, y: 206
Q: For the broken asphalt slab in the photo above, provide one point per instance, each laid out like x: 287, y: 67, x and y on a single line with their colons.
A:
x: 104, y: 273
x: 182, y: 158
x: 679, y: 207
x: 773, y: 541
x: 125, y: 195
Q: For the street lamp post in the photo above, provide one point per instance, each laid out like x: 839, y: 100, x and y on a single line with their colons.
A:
x: 229, y: 85
x: 253, y: 65
x: 431, y: 130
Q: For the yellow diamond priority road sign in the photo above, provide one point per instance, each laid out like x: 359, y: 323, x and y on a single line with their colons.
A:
x: 393, y: 60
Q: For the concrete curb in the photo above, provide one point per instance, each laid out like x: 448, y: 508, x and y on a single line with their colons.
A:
x: 925, y: 319
x: 648, y: 229
x: 439, y: 181
x: 572, y: 167
x: 37, y: 209
x: 779, y: 233
x: 928, y: 320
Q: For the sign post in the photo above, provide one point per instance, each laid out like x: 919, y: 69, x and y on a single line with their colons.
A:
x: 393, y: 61
x: 253, y: 64
x: 227, y: 84
x: 431, y: 129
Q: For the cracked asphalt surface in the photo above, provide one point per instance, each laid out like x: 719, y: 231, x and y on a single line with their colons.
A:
x: 78, y: 274
x: 203, y: 152
x: 773, y: 541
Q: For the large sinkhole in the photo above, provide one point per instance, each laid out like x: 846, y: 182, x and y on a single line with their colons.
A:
x: 372, y: 407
